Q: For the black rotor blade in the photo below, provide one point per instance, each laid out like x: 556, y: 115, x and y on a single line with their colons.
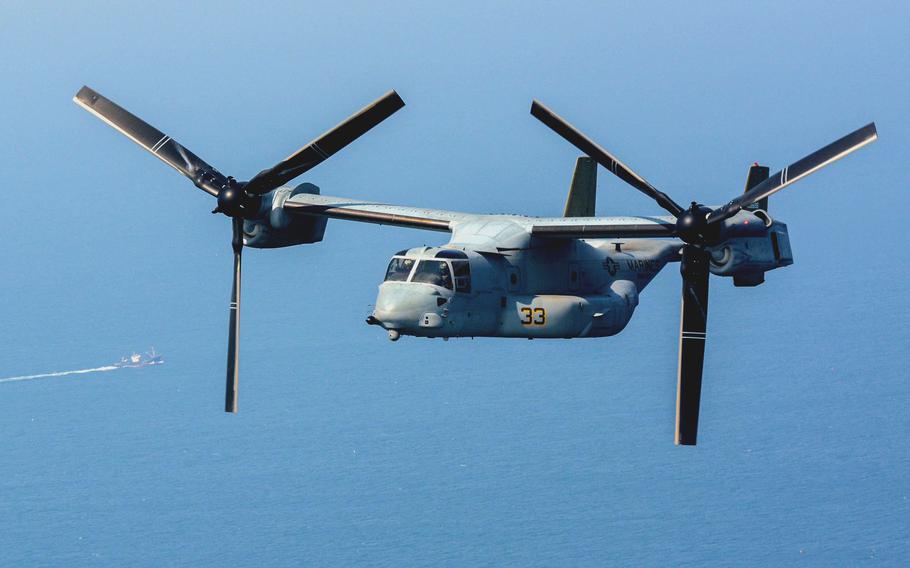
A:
x: 798, y: 170
x: 233, y: 355
x: 204, y: 176
x: 602, y: 157
x: 692, y: 336
x: 323, y: 147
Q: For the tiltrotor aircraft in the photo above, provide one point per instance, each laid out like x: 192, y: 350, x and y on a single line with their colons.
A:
x: 509, y: 275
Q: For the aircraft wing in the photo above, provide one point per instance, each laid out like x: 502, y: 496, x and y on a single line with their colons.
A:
x: 370, y: 212
x: 603, y: 227
x: 445, y: 221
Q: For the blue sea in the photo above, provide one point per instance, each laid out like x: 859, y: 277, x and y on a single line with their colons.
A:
x: 350, y: 449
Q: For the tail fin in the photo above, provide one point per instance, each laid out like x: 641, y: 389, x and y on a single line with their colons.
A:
x: 583, y: 191
x: 757, y: 174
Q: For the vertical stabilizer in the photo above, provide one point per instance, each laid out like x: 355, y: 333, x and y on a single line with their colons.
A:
x: 583, y: 191
x: 757, y: 174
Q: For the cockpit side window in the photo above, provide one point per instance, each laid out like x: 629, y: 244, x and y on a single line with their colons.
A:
x: 462, y: 270
x: 434, y: 272
x: 399, y: 269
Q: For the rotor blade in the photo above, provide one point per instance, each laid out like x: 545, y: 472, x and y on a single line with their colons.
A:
x: 693, y: 325
x: 233, y: 356
x: 798, y: 170
x: 602, y: 157
x: 320, y: 149
x: 204, y: 176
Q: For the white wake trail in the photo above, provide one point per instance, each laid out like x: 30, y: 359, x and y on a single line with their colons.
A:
x: 60, y: 374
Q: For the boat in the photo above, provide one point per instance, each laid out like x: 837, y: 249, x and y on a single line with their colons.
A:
x: 137, y: 360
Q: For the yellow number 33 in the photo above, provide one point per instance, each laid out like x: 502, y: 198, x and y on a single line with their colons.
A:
x: 533, y: 316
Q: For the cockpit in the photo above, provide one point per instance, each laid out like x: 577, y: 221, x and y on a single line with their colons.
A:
x: 447, y: 269
x: 421, y: 291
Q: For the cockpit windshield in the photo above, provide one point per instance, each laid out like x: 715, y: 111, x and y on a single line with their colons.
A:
x: 399, y: 269
x: 433, y: 272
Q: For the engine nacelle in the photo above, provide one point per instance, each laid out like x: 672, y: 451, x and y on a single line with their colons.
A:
x: 747, y: 257
x: 274, y: 227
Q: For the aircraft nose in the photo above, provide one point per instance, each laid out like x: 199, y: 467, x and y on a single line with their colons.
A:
x: 401, y: 306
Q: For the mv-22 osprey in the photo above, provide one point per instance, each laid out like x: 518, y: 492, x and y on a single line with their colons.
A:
x: 509, y: 275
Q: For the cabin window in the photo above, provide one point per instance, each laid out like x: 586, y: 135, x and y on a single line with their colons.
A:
x: 399, y: 269
x: 462, y: 270
x: 434, y: 272
x: 451, y: 253
x: 514, y: 279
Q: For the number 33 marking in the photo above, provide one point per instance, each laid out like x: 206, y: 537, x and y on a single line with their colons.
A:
x: 533, y: 316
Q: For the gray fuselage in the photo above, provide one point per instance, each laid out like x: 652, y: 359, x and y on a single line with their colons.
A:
x: 548, y: 289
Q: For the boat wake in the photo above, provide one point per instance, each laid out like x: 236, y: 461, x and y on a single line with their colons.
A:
x: 60, y: 374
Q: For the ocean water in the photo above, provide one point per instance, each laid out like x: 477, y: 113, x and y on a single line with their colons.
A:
x: 350, y: 449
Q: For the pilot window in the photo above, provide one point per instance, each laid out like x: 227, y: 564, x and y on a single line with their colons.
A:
x: 433, y: 272
x: 462, y: 270
x: 399, y: 269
